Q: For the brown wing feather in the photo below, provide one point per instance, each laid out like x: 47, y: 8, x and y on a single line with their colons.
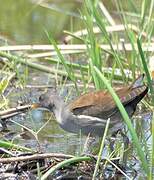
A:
x: 102, y: 98
x: 101, y: 103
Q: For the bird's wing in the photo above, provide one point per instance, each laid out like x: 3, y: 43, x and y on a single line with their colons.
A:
x: 101, y: 102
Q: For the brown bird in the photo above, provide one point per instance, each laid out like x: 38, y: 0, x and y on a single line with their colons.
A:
x: 89, y: 112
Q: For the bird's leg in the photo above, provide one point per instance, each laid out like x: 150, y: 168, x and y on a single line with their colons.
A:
x: 112, y: 141
x: 89, y: 143
x: 126, y: 146
x: 112, y: 145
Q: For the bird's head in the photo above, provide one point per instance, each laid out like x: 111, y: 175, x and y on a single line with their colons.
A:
x: 49, y: 101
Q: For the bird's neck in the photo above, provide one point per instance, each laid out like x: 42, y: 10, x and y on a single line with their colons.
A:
x: 61, y: 113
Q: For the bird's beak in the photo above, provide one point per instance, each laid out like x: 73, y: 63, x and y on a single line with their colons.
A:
x: 35, y: 105
x: 39, y: 106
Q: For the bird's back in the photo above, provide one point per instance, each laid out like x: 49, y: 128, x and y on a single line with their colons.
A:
x: 101, y: 104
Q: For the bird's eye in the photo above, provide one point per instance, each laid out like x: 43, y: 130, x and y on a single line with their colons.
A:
x: 41, y: 98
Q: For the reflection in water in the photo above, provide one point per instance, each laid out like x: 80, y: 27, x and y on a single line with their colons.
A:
x: 52, y: 138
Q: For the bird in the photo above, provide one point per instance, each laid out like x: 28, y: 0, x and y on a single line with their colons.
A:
x: 88, y: 113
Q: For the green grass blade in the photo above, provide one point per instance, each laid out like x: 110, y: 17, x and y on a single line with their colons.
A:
x: 14, y: 146
x: 152, y: 153
x: 68, y: 69
x: 102, y: 26
x: 144, y: 62
x: 63, y: 164
x: 62, y: 59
